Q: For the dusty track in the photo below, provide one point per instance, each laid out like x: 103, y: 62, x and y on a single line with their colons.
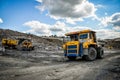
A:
x: 52, y: 66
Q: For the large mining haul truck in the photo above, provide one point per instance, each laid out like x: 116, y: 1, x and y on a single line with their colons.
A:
x: 82, y: 44
x: 20, y: 44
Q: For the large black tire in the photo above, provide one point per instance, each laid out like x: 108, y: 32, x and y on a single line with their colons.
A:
x: 84, y: 57
x: 92, y: 54
x: 100, y: 54
x: 71, y: 58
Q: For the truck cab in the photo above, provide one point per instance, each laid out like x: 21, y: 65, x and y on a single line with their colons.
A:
x: 82, y: 44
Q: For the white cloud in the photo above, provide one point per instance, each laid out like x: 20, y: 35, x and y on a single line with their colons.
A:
x: 59, y: 26
x: 117, y: 28
x: 78, y: 28
x: 113, y: 20
x: 69, y: 20
x: 68, y: 9
x: 99, y: 6
x: 101, y: 33
x: 39, y: 1
x: 38, y: 28
x: 106, y: 13
x: 107, y: 34
x: 105, y: 21
x: 1, y: 21
x: 72, y: 21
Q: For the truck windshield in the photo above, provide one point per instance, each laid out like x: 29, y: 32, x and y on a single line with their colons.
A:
x: 83, y: 36
x: 71, y: 38
x: 66, y: 39
x: 74, y: 37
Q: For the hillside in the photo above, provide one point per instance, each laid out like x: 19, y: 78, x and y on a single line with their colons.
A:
x: 7, y: 33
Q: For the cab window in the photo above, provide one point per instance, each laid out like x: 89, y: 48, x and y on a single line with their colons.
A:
x: 74, y: 37
x: 93, y: 36
x: 83, y: 36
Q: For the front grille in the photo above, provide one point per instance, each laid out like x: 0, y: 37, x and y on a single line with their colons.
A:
x: 72, y: 49
x: 72, y: 46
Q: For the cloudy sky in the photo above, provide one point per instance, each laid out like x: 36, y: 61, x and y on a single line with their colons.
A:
x: 56, y: 17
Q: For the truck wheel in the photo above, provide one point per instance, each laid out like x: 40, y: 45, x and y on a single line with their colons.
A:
x: 84, y: 57
x: 71, y: 58
x: 92, y: 54
x: 100, y: 54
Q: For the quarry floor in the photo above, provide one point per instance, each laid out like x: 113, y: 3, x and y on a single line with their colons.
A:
x: 52, y: 65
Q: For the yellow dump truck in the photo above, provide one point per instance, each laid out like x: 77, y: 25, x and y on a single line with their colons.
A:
x: 82, y: 44
x: 20, y: 44
x: 9, y: 43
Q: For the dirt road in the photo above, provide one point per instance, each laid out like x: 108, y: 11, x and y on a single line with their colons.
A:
x: 51, y: 65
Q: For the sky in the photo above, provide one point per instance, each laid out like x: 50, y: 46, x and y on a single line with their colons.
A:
x: 57, y: 17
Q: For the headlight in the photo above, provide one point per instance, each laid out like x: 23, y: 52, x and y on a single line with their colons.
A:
x: 64, y: 47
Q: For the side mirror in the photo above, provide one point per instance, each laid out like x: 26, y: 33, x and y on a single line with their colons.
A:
x: 64, y: 40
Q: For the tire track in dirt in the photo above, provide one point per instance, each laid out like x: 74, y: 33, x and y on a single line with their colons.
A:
x: 68, y: 70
